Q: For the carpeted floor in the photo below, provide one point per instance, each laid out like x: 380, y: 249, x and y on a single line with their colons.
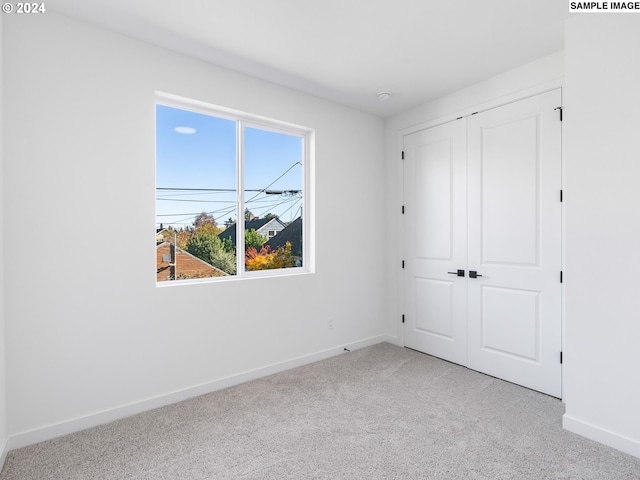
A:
x: 382, y: 412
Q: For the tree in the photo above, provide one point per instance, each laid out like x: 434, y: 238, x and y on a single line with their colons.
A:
x: 204, y: 219
x: 253, y: 239
x: 209, y: 248
x: 228, y: 245
x: 270, y: 215
x: 205, y: 222
x: 265, y: 259
x: 182, y: 238
x: 248, y: 216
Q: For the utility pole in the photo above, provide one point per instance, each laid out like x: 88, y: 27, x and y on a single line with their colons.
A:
x: 173, y: 272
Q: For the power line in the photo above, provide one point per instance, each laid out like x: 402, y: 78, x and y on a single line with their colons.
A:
x: 198, y: 189
x: 190, y: 194
x: 265, y: 188
x: 193, y: 201
x: 290, y: 193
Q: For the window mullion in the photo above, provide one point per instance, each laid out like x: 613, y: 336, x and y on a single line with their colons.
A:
x: 240, y: 198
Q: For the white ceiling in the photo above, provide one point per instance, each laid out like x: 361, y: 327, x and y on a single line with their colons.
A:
x: 346, y: 50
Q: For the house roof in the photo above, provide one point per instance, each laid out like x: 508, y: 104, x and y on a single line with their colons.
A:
x: 230, y: 231
x: 292, y: 234
x: 188, y: 265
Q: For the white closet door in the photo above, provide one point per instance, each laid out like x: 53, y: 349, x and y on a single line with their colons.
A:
x: 483, y: 195
x: 435, y: 236
x: 514, y: 242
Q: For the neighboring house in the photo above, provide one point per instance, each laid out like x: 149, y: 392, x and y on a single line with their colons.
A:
x: 292, y: 234
x: 187, y: 266
x: 164, y: 235
x: 267, y: 227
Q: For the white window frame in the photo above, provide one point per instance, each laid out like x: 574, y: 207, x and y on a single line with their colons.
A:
x: 244, y: 119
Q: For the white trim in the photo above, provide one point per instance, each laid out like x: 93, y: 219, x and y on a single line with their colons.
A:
x: 601, y: 435
x: 397, y: 341
x: 309, y: 204
x: 401, y: 227
x: 240, y: 220
x: 563, y: 236
x: 31, y: 437
x: 250, y: 119
x: 4, y: 450
x: 481, y: 107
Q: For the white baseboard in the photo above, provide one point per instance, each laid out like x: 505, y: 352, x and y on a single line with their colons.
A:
x: 31, y: 437
x: 4, y: 450
x: 601, y: 435
x: 394, y: 340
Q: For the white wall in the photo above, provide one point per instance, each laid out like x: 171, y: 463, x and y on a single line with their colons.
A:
x: 3, y: 409
x: 529, y: 79
x: 602, y: 147
x: 88, y: 333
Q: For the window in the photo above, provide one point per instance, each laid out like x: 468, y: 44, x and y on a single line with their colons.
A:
x: 232, y: 193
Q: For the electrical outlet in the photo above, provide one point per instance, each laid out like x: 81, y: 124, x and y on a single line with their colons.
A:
x: 330, y: 323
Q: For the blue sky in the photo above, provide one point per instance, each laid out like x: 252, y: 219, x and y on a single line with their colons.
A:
x: 206, y: 159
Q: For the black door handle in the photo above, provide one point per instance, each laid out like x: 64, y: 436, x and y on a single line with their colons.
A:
x: 459, y: 273
x: 473, y: 274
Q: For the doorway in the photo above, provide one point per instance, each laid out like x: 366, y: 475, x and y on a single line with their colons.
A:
x: 482, y: 242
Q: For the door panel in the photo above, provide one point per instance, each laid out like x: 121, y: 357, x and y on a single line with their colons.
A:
x: 509, y: 188
x: 514, y: 235
x: 433, y: 165
x: 510, y: 323
x: 435, y: 241
x: 434, y: 313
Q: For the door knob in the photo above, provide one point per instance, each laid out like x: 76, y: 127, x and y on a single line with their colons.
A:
x: 459, y: 273
x: 473, y: 274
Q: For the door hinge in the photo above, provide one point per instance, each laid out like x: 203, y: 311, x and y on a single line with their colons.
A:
x: 402, y: 318
x: 402, y: 263
x: 403, y: 155
x: 559, y: 108
x: 560, y: 357
x: 403, y: 209
x: 561, y: 196
x: 560, y: 276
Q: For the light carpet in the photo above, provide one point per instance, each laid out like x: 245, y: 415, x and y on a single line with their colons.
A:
x: 383, y: 412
